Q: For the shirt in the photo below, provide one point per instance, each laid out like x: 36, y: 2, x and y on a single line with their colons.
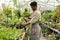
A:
x: 35, y: 16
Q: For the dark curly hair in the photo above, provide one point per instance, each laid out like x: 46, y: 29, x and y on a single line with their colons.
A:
x: 34, y: 3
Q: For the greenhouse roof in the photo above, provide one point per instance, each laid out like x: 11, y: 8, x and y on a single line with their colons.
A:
x: 47, y: 4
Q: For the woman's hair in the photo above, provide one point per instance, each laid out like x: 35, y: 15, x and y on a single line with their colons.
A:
x: 34, y: 3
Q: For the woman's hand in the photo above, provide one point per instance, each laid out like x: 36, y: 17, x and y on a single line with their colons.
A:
x: 26, y: 19
x: 23, y: 24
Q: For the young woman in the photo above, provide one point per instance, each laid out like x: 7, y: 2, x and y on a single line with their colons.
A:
x: 35, y: 29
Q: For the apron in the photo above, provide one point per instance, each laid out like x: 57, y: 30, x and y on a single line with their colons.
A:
x: 35, y: 31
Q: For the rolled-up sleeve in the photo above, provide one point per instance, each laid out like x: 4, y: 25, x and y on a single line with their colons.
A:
x: 35, y: 18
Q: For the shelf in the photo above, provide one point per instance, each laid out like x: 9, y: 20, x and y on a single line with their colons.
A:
x: 47, y: 26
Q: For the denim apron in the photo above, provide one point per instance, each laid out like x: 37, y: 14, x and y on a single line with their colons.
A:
x: 35, y: 31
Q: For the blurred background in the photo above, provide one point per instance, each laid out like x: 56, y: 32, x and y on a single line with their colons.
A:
x: 12, y: 13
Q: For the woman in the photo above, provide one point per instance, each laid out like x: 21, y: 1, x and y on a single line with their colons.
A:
x: 35, y: 29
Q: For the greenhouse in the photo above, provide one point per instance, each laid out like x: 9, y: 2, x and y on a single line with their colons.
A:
x: 29, y: 19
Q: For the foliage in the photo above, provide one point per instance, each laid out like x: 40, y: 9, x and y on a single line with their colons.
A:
x: 26, y: 13
x: 9, y: 33
x: 47, y: 16
x: 57, y: 8
x: 15, y: 2
x: 53, y: 20
x: 11, y: 15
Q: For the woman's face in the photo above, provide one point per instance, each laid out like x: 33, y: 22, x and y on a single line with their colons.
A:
x: 34, y: 8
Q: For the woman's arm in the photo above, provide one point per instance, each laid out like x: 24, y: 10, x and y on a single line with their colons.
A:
x: 33, y: 20
x: 26, y: 19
